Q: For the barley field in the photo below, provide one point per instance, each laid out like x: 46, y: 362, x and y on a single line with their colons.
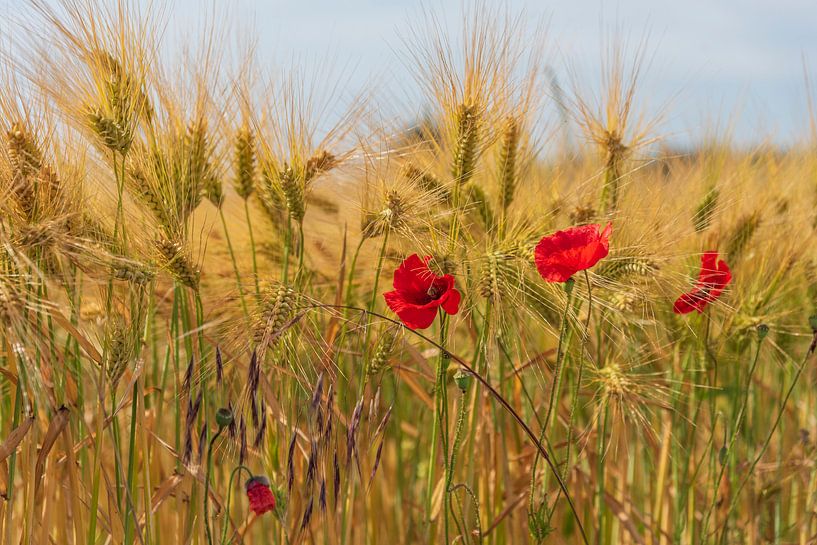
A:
x: 249, y: 304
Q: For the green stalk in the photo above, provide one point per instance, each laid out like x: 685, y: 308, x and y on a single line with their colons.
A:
x: 237, y: 470
x: 15, y: 421
x: 735, y: 430
x: 773, y: 429
x: 207, y: 485
x: 235, y: 263
x: 554, y: 393
x: 252, y: 245
x: 440, y: 422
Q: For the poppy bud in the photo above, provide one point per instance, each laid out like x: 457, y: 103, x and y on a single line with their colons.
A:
x: 812, y: 320
x: 260, y: 495
x: 463, y: 380
x: 762, y: 331
x: 224, y: 417
x: 569, y: 283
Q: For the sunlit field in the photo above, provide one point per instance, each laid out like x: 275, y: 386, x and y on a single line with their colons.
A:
x: 244, y: 303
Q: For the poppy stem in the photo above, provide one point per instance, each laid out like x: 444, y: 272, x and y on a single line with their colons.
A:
x: 533, y: 519
x: 209, y: 470
x: 773, y: 429
x: 235, y: 471
x: 735, y: 431
x: 440, y: 422
x: 485, y: 383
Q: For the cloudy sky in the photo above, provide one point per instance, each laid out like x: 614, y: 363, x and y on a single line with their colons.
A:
x: 721, y: 61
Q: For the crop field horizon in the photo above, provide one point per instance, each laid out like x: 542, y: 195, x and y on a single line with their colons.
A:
x: 245, y: 302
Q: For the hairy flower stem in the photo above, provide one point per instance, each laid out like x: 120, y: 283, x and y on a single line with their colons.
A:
x: 208, y: 472
x: 557, y: 377
x: 12, y: 467
x: 735, y: 432
x: 440, y: 423
x: 235, y: 472
x: 373, y: 300
x: 574, y: 402
x: 772, y: 431
x: 235, y: 263
x: 494, y: 393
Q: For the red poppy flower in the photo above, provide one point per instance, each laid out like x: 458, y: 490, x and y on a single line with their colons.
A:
x: 712, y: 279
x: 418, y: 293
x: 260, y: 495
x: 564, y: 253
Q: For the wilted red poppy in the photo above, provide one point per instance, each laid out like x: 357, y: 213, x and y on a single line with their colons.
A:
x: 260, y: 495
x: 712, y: 279
x: 418, y: 293
x: 564, y: 253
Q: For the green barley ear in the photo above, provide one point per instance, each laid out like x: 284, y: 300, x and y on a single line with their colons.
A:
x: 146, y: 194
x: 489, y: 285
x: 466, y: 144
x: 741, y: 235
x: 702, y: 218
x: 616, y: 154
x: 270, y: 196
x: 293, y: 190
x: 131, y: 271
x: 113, y: 134
x: 244, y: 182
x: 478, y: 198
x: 507, y: 163
x: 276, y: 308
x: 384, y: 349
x: 616, y: 268
x: 120, y: 351
x: 201, y: 175
x: 175, y: 259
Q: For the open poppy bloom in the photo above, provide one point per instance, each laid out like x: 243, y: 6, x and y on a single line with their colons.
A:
x: 418, y: 293
x: 712, y: 279
x: 260, y: 495
x: 564, y: 253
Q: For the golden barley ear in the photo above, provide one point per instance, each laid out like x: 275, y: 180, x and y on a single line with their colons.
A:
x: 176, y: 260
x: 466, y: 143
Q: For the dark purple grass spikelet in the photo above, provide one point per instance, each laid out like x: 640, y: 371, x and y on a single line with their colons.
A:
x: 291, y: 463
x: 307, y: 514
x: 262, y: 426
x: 202, y: 443
x: 193, y: 408
x: 322, y: 496
x: 232, y: 429
x: 352, y: 431
x: 188, y: 377
x: 219, y: 367
x: 317, y: 393
x: 336, y: 478
x: 242, y: 433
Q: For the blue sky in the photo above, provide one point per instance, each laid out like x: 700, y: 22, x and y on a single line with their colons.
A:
x: 717, y: 61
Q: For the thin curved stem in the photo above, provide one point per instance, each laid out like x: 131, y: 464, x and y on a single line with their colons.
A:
x: 485, y: 383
